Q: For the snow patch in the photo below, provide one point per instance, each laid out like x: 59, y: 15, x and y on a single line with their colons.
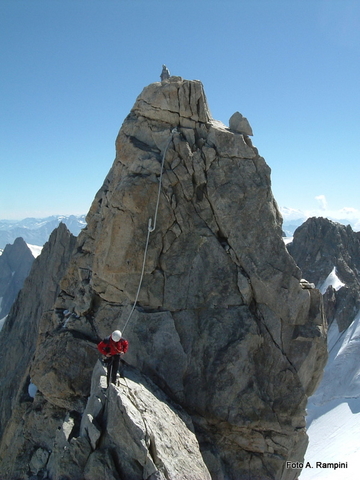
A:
x: 332, y: 280
x: 2, y: 321
x: 287, y: 240
x: 35, y: 249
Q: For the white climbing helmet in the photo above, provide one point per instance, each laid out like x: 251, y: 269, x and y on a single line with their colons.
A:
x: 116, y: 335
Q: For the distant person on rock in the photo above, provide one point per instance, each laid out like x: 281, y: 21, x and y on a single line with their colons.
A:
x: 165, y: 74
x: 113, y: 347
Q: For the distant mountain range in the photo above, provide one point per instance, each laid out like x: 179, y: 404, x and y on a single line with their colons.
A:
x: 36, y: 231
x: 293, y: 218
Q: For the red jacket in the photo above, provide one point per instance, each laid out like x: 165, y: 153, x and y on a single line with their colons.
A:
x: 109, y: 347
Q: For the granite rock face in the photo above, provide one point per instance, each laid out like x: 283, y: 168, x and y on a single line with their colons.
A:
x: 328, y: 254
x: 154, y: 438
x: 222, y: 325
x: 15, y: 265
x: 20, y: 334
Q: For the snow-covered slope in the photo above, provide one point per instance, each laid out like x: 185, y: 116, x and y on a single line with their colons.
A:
x: 332, y: 280
x: 334, y: 410
x: 2, y: 321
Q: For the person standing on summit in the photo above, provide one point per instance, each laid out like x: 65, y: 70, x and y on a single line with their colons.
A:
x: 113, y: 347
x: 165, y: 74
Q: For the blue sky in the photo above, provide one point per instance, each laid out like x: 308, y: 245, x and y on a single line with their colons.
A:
x: 72, y: 69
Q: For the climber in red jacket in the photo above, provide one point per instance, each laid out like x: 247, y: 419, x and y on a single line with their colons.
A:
x: 113, y: 347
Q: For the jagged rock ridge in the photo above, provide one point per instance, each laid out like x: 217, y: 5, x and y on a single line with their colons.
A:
x: 15, y: 265
x: 323, y: 248
x: 223, y: 325
x: 329, y: 255
x: 19, y: 336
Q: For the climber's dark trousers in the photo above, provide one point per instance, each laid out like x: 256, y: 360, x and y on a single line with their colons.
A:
x: 112, y: 364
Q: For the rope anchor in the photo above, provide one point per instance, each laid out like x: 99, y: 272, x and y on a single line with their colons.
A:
x: 151, y: 228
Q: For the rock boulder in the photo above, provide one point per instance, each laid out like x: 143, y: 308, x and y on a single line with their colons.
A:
x: 240, y: 124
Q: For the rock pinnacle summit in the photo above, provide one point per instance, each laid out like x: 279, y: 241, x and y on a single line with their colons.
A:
x: 222, y: 330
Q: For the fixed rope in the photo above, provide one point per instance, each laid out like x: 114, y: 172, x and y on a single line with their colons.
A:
x: 151, y: 228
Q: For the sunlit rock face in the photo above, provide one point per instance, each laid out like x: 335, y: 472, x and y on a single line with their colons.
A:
x: 24, y: 331
x: 222, y: 325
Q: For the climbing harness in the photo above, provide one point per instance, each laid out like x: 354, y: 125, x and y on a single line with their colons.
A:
x: 151, y: 228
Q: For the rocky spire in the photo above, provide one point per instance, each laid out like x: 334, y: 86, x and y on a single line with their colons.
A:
x: 15, y: 265
x: 223, y: 325
x: 327, y: 251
